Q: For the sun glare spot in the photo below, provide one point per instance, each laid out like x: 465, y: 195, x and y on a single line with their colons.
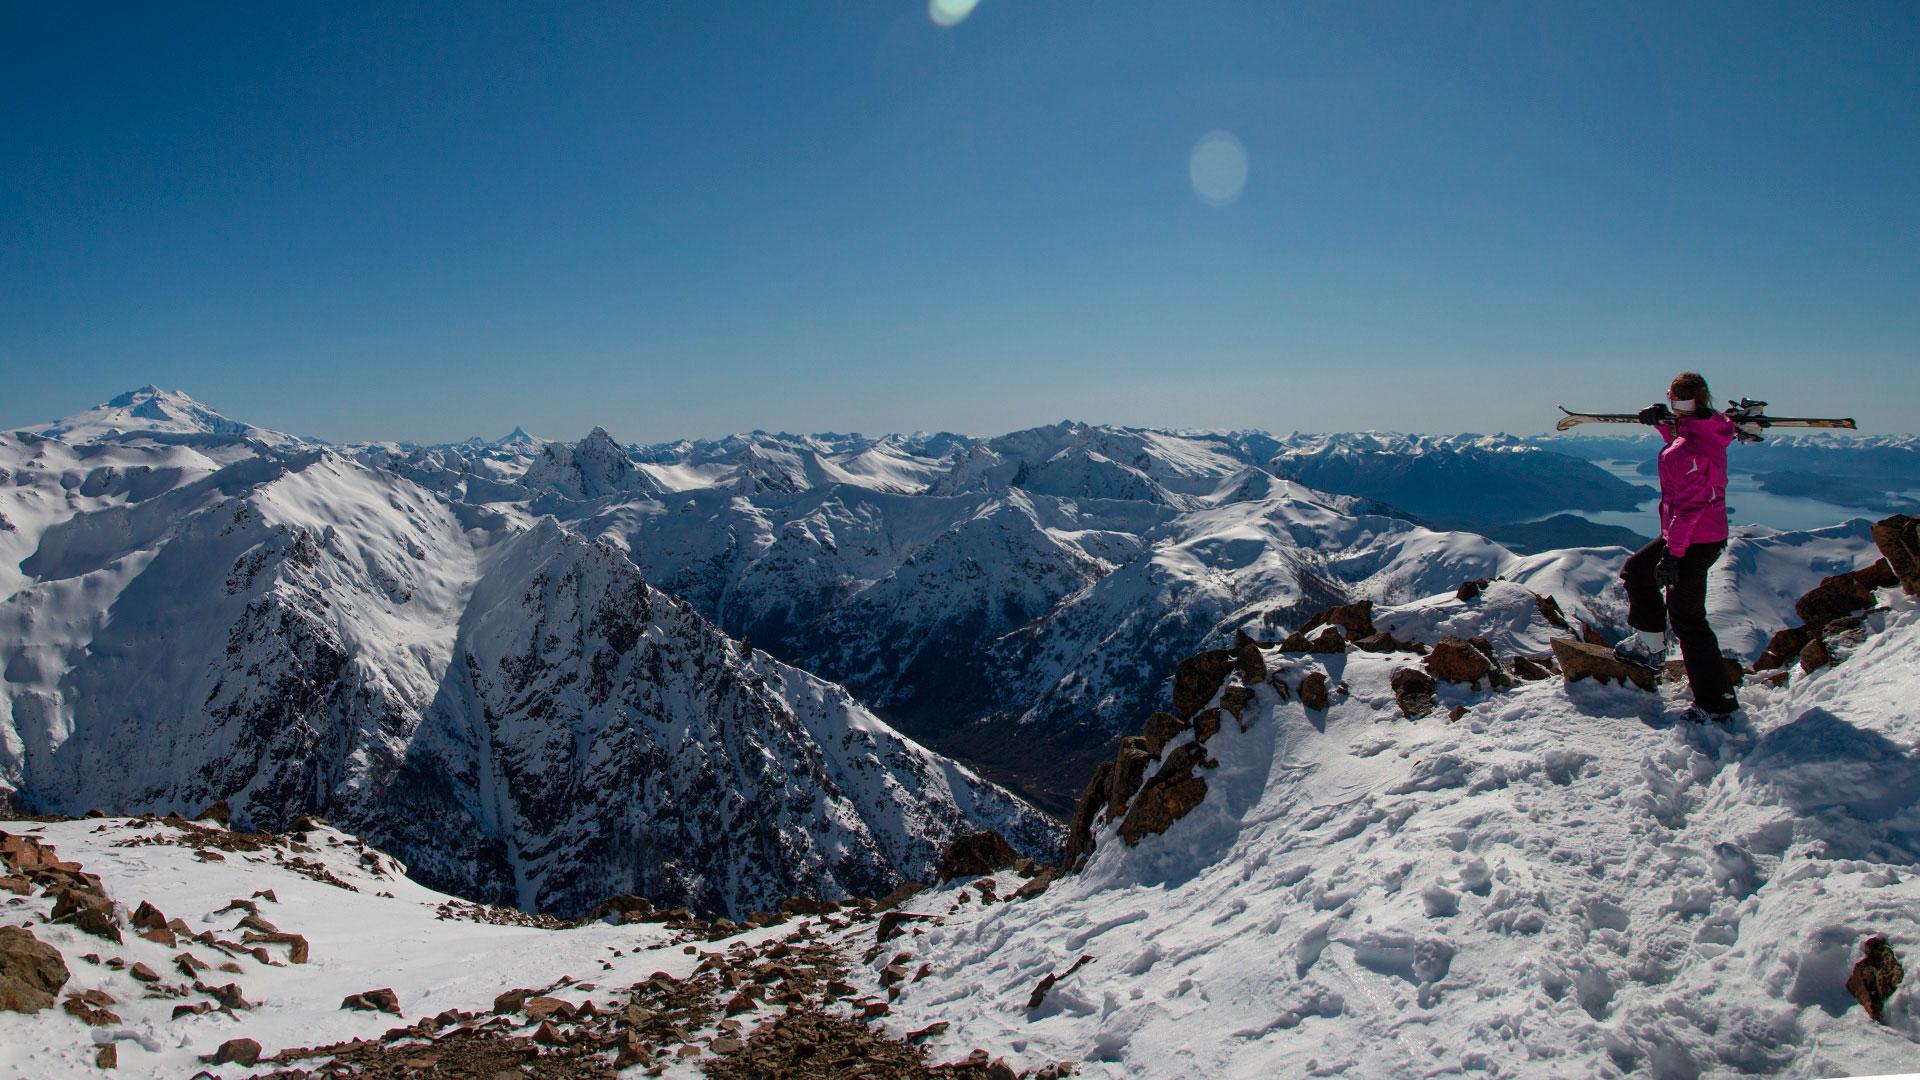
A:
x: 950, y: 12
x: 1218, y: 168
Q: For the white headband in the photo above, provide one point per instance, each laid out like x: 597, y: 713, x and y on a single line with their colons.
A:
x: 1684, y: 405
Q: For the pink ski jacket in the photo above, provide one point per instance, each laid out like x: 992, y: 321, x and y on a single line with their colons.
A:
x: 1693, y: 481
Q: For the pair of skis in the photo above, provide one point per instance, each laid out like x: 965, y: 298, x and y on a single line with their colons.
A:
x: 1749, y: 420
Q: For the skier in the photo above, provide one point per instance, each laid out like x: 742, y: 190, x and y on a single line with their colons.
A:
x: 1667, y: 580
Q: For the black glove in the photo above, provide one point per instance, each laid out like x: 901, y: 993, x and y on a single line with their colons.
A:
x: 1656, y: 414
x: 1667, y: 572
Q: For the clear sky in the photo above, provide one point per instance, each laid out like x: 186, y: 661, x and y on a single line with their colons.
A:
x: 688, y: 218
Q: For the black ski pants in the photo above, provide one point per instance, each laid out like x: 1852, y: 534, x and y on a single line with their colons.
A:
x: 1684, y: 606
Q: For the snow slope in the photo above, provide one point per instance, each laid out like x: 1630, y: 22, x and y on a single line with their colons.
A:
x: 1566, y: 882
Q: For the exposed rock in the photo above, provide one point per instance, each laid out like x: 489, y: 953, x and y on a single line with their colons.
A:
x: 1130, y: 769
x: 1455, y: 713
x: 1875, y: 977
x: 1815, y: 655
x: 1550, y: 611
x: 1197, y: 678
x: 1165, y: 799
x: 623, y: 908
x: 298, y: 951
x: 1048, y: 980
x: 1355, y: 618
x: 31, y: 971
x: 893, y: 923
x: 143, y: 973
x: 1296, y: 642
x: 1313, y: 691
x: 1246, y: 652
x: 80, y: 1008
x: 1384, y: 641
x: 1037, y: 884
x: 1413, y: 691
x: 89, y: 912
x: 1235, y: 699
x: 1328, y: 642
x: 1279, y: 684
x: 1471, y: 588
x: 1160, y: 729
x: 1582, y: 660
x: 1455, y: 659
x: 1841, y: 594
x: 237, y: 1051
x: 901, y: 893
x: 1080, y: 829
x: 381, y: 1000
x: 976, y: 854
x: 1206, y: 725
x: 1784, y: 648
x: 217, y: 813
x: 1529, y: 669
x: 107, y: 1056
x: 148, y: 917
x: 1898, y: 538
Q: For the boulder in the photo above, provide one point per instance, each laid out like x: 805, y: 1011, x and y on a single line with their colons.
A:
x: 623, y: 908
x: 1197, y: 678
x: 1472, y: 588
x: 1165, y: 799
x: 1581, y: 660
x: 1841, y: 594
x: 1235, y: 700
x: 1815, y: 655
x: 1296, y: 642
x: 1784, y: 647
x: 1246, y: 652
x: 1875, y: 976
x: 238, y: 1051
x: 1313, y: 691
x: 1160, y: 729
x: 89, y: 912
x: 1455, y: 659
x: 1898, y: 538
x: 1329, y: 641
x: 1413, y: 691
x: 217, y: 813
x: 1384, y: 641
x: 1093, y: 799
x: 1205, y: 726
x: 1550, y: 611
x: 381, y: 1000
x: 1529, y: 669
x: 976, y: 854
x: 31, y: 971
x: 1355, y: 618
x: 1130, y: 768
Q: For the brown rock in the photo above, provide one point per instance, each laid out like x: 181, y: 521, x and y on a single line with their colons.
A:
x: 1815, y: 655
x: 511, y: 1001
x: 1279, y: 684
x: 1841, y: 594
x: 1384, y: 641
x: 228, y: 995
x: 976, y: 854
x: 78, y: 1007
x: 237, y: 1051
x: 1246, y: 652
x: 1313, y: 691
x: 382, y: 1000
x: 107, y: 1056
x: 893, y: 923
x: 297, y: 948
x: 1296, y: 642
x: 1456, y: 713
x: 542, y: 1008
x: 1455, y: 659
x: 1898, y: 538
x: 162, y: 936
x: 1206, y: 724
x: 17, y: 884
x: 1328, y: 642
x: 1160, y: 728
x: 217, y: 813
x: 1166, y: 798
x: 31, y: 971
x: 1470, y: 589
x: 144, y: 973
x: 1784, y: 648
x: 1876, y: 975
x: 148, y: 917
x: 1037, y: 884
x: 1197, y: 678
x: 1413, y: 691
x: 1529, y: 669
x: 1550, y: 611
x: 1580, y: 660
x: 1130, y: 769
x: 937, y: 1028
x: 89, y: 912
x: 1235, y: 700
x: 1047, y: 982
x: 1355, y: 618
x: 1080, y: 841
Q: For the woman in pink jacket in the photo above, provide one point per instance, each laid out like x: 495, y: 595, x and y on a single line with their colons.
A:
x: 1667, y: 580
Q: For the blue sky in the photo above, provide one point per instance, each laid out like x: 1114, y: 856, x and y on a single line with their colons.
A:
x: 684, y: 219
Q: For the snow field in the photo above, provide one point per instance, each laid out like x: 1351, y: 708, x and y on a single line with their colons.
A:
x: 1564, y: 882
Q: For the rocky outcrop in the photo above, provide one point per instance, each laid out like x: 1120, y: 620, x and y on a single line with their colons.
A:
x: 1830, y: 611
x: 1898, y: 538
x: 975, y: 855
x: 1875, y: 976
x: 1471, y: 589
x: 1165, y: 799
x: 1455, y: 659
x: 1356, y: 619
x: 1197, y: 678
x: 1581, y: 660
x: 1413, y: 691
x: 31, y: 971
x: 1314, y: 693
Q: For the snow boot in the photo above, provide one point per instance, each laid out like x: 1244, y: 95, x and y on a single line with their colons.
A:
x: 1646, y: 648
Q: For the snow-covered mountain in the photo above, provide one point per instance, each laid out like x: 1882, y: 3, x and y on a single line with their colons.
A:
x: 191, y: 617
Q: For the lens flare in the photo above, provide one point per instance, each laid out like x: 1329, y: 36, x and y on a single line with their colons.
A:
x: 1218, y: 168
x: 950, y: 12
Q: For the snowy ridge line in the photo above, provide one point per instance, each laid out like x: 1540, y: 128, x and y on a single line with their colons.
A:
x: 1560, y: 880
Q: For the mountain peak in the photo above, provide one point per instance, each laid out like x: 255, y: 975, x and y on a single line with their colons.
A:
x: 517, y: 437
x: 150, y: 409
